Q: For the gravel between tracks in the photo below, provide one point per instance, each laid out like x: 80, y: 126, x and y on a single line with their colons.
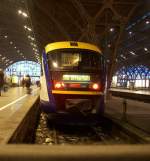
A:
x: 64, y: 135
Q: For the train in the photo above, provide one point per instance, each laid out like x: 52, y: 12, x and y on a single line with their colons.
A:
x: 73, y: 78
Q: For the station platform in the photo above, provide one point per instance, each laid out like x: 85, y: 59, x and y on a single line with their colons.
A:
x: 14, y: 105
x: 14, y: 94
x: 140, y: 95
x: 13, y: 99
x: 137, y: 113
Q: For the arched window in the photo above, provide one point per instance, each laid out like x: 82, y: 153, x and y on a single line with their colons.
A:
x: 138, y: 76
x: 22, y: 68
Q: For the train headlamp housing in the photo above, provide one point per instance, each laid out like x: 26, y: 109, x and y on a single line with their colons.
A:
x: 95, y: 86
x: 59, y: 85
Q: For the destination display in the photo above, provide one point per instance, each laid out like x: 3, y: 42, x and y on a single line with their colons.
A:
x: 76, y: 78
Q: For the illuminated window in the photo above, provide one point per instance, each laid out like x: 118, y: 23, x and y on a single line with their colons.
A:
x: 139, y: 76
x: 22, y: 68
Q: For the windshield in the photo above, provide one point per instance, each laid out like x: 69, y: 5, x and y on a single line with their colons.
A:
x: 83, y: 60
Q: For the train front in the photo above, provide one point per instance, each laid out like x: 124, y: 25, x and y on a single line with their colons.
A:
x: 75, y: 78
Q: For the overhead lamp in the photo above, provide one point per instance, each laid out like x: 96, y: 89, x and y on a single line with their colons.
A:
x: 145, y: 49
x: 11, y: 42
x: 123, y: 56
x: 147, y: 22
x: 133, y: 53
x: 109, y: 45
x: 15, y: 47
x: 130, y: 32
x: 6, y: 60
x: 19, y: 12
x: 3, y: 58
x: 35, y: 49
x: 31, y: 38
x: 22, y: 13
x: 5, y: 36
x: 111, y: 29
x: 27, y: 28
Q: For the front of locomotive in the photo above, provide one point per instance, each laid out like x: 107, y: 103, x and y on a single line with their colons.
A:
x: 75, y: 78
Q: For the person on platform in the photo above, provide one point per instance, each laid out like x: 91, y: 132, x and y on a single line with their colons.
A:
x: 28, y: 83
x: 1, y: 80
x: 23, y: 82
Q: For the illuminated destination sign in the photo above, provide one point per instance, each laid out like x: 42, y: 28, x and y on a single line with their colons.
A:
x: 76, y: 78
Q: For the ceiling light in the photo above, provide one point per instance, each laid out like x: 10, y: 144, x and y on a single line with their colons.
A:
x: 123, y: 56
x: 133, y: 53
x: 109, y: 45
x: 111, y: 29
x: 130, y: 32
x: 27, y: 28
x: 6, y: 36
x: 3, y: 58
x: 24, y: 14
x: 31, y: 38
x: 15, y: 47
x: 19, y: 12
x: 145, y: 49
x: 147, y: 22
x: 11, y: 42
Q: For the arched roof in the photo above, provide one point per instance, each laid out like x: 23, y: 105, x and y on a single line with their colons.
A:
x: 121, y: 28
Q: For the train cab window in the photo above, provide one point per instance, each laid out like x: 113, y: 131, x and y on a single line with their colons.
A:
x: 71, y: 59
x: 81, y: 60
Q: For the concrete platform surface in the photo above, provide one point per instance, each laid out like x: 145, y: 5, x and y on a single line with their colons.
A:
x: 140, y: 95
x: 140, y: 92
x: 12, y: 100
x: 138, y: 113
x: 14, y: 105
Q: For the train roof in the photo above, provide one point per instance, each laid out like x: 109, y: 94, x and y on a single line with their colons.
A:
x: 71, y: 44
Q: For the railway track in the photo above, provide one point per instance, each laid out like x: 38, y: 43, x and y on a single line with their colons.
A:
x: 83, y: 130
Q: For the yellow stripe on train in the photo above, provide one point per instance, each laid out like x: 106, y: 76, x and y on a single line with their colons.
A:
x: 78, y: 92
x: 69, y: 44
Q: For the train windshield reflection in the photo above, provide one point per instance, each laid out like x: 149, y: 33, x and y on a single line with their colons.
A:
x: 83, y: 60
